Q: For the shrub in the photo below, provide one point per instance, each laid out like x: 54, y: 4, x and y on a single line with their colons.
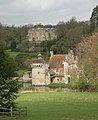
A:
x: 81, y: 85
x: 58, y: 85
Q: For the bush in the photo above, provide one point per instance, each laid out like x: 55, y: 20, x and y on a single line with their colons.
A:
x: 58, y: 85
x: 81, y: 85
x: 77, y: 85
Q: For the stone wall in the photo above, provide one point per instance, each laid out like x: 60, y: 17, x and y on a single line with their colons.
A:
x: 40, y: 34
x: 38, y: 75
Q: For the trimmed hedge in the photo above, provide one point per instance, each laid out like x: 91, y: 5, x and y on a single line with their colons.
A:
x: 58, y: 85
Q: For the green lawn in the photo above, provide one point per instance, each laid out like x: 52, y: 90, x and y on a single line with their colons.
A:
x: 20, y: 72
x: 12, y: 54
x: 59, y: 106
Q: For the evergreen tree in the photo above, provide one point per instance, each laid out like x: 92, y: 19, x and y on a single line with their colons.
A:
x: 8, y: 87
x: 13, y: 45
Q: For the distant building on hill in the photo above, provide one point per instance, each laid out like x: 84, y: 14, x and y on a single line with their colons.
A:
x: 39, y: 34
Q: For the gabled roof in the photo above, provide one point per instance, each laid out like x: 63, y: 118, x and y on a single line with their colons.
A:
x: 70, y: 61
x: 51, y: 72
x: 56, y: 61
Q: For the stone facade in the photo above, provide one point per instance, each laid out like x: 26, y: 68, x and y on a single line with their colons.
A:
x: 40, y: 34
x: 56, y: 71
x: 27, y: 76
x: 40, y: 72
x: 60, y: 65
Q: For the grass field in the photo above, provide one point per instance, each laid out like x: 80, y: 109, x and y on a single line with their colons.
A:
x: 12, y: 54
x: 20, y: 72
x: 59, y: 106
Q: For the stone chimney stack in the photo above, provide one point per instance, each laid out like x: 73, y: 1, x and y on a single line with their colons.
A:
x: 51, y: 53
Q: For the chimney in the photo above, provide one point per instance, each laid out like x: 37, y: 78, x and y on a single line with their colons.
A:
x: 51, y: 53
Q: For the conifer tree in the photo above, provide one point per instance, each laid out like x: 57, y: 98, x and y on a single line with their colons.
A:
x: 8, y: 87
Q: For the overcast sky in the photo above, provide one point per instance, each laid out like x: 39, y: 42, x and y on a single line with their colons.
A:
x: 20, y: 12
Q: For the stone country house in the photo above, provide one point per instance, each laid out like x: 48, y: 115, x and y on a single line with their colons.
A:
x: 59, y: 66
x: 56, y: 71
x: 40, y: 34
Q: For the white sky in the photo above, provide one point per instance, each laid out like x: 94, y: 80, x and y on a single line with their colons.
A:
x: 20, y: 12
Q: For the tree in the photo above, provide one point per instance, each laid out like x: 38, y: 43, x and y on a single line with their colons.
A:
x: 94, y: 19
x: 87, y: 52
x: 13, y: 45
x: 8, y: 87
x: 69, y: 34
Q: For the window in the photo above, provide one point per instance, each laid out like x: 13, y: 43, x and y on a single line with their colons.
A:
x: 33, y: 39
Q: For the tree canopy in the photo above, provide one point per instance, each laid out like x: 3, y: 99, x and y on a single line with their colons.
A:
x: 87, y: 52
x: 69, y: 34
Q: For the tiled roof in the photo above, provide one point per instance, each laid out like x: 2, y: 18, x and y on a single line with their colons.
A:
x: 57, y: 60
x: 39, y: 61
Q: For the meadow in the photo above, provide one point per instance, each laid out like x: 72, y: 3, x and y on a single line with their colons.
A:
x: 58, y: 106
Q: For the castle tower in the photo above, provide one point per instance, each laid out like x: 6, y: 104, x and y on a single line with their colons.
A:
x: 39, y: 68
